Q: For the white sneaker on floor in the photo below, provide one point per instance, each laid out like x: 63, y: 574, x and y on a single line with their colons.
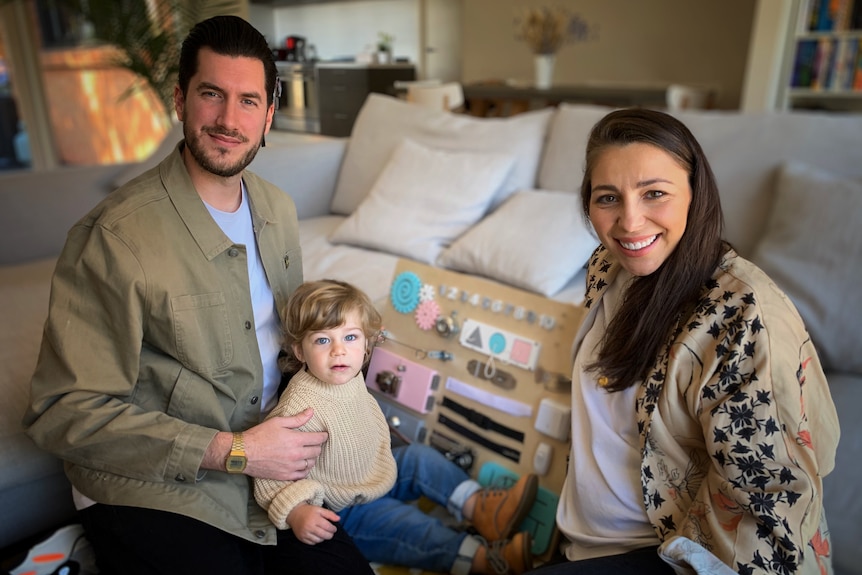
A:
x: 65, y: 552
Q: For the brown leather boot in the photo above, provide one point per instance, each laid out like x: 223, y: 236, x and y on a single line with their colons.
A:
x: 505, y: 557
x: 498, y: 511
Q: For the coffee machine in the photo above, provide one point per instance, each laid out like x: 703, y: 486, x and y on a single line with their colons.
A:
x: 295, y: 49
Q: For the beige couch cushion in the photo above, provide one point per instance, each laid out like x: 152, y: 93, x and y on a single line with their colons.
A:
x: 423, y: 200
x: 812, y: 248
x: 24, y: 292
x: 383, y: 122
x: 563, y: 161
x: 34, y: 491
x: 841, y: 491
x: 518, y: 244
x: 167, y: 145
x: 744, y: 151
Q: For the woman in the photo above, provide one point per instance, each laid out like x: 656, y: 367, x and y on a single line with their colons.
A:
x: 702, y: 423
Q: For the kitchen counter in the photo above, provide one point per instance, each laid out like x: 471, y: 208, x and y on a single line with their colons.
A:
x: 325, y: 97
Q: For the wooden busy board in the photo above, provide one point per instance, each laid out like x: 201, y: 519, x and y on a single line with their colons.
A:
x: 502, y: 352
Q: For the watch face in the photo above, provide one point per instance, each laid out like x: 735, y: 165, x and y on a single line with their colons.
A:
x: 235, y: 464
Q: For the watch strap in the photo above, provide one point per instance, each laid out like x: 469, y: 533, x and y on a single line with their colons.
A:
x: 237, y: 446
x: 236, y: 460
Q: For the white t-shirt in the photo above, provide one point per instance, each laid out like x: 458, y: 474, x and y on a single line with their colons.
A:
x: 238, y: 227
x: 601, y: 510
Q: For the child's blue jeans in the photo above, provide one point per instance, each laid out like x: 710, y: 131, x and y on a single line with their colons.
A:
x: 391, y: 530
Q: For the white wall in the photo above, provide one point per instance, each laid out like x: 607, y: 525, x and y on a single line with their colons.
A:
x: 764, y: 78
x: 344, y: 29
x: 700, y: 42
x: 261, y: 17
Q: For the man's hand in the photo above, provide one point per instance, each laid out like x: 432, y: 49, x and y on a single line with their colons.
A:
x: 312, y: 524
x: 274, y: 448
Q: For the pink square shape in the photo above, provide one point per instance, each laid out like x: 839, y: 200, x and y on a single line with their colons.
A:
x: 521, y: 351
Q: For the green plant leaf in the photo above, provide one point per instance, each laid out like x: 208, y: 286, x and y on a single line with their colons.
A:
x: 148, y: 35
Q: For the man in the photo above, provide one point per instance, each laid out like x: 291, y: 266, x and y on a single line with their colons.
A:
x: 162, y: 337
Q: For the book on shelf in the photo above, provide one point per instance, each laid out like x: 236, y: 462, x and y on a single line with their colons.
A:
x: 823, y: 18
x: 803, y: 66
x: 828, y: 64
x: 844, y: 67
x: 812, y: 14
x: 823, y: 64
x: 856, y: 16
x: 833, y: 15
x: 842, y: 14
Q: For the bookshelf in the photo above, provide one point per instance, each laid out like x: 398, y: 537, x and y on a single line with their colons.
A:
x: 825, y: 59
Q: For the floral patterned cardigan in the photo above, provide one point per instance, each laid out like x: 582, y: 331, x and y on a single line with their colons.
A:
x: 737, y: 430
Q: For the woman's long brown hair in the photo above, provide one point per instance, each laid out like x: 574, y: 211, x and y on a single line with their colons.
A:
x: 654, y: 304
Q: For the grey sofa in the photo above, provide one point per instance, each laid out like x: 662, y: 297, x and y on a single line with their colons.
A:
x: 791, y: 192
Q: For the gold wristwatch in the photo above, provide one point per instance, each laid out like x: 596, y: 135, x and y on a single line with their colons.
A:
x: 236, y: 459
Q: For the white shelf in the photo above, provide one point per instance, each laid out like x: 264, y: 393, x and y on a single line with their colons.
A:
x: 826, y: 97
x: 835, y: 34
x: 797, y: 93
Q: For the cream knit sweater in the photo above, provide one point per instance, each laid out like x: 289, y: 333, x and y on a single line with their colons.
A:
x: 355, y: 465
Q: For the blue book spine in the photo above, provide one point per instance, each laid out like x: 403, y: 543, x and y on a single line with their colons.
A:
x: 814, y: 14
x: 803, y: 67
x: 824, y: 18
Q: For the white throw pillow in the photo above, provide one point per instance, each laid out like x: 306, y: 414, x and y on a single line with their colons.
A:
x: 424, y: 199
x: 812, y: 249
x: 537, y: 240
x: 384, y: 121
x: 562, y: 165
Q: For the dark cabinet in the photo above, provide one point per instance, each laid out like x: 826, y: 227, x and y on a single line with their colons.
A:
x: 342, y: 91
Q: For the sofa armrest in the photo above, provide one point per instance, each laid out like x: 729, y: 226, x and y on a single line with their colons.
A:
x: 308, y: 172
x: 39, y: 207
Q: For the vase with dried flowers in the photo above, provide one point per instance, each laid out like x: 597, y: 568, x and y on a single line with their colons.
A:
x: 545, y: 30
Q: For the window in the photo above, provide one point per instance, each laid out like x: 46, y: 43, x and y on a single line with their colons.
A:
x: 14, y: 145
x: 62, y: 91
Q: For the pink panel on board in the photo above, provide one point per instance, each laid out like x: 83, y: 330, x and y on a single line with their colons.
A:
x: 417, y: 384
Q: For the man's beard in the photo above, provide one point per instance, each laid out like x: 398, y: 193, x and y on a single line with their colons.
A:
x: 212, y: 164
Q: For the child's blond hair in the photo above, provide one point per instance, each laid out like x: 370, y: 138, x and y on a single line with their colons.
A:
x: 324, y: 304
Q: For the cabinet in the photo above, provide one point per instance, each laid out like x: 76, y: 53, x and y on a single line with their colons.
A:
x: 342, y: 90
x: 825, y: 61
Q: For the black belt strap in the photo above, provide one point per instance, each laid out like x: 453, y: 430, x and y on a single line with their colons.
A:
x: 482, y: 420
x: 506, y: 452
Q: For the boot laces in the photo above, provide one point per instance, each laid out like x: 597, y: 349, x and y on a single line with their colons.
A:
x: 489, y: 492
x: 494, y: 555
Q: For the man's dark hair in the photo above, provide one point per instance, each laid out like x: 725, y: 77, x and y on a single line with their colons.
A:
x: 227, y: 36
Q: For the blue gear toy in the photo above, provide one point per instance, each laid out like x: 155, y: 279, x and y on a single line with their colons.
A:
x: 405, y: 292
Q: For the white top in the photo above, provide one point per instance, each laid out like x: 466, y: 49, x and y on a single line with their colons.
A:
x: 601, y: 510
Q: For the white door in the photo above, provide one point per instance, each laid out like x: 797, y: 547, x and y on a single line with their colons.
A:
x: 441, y: 25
